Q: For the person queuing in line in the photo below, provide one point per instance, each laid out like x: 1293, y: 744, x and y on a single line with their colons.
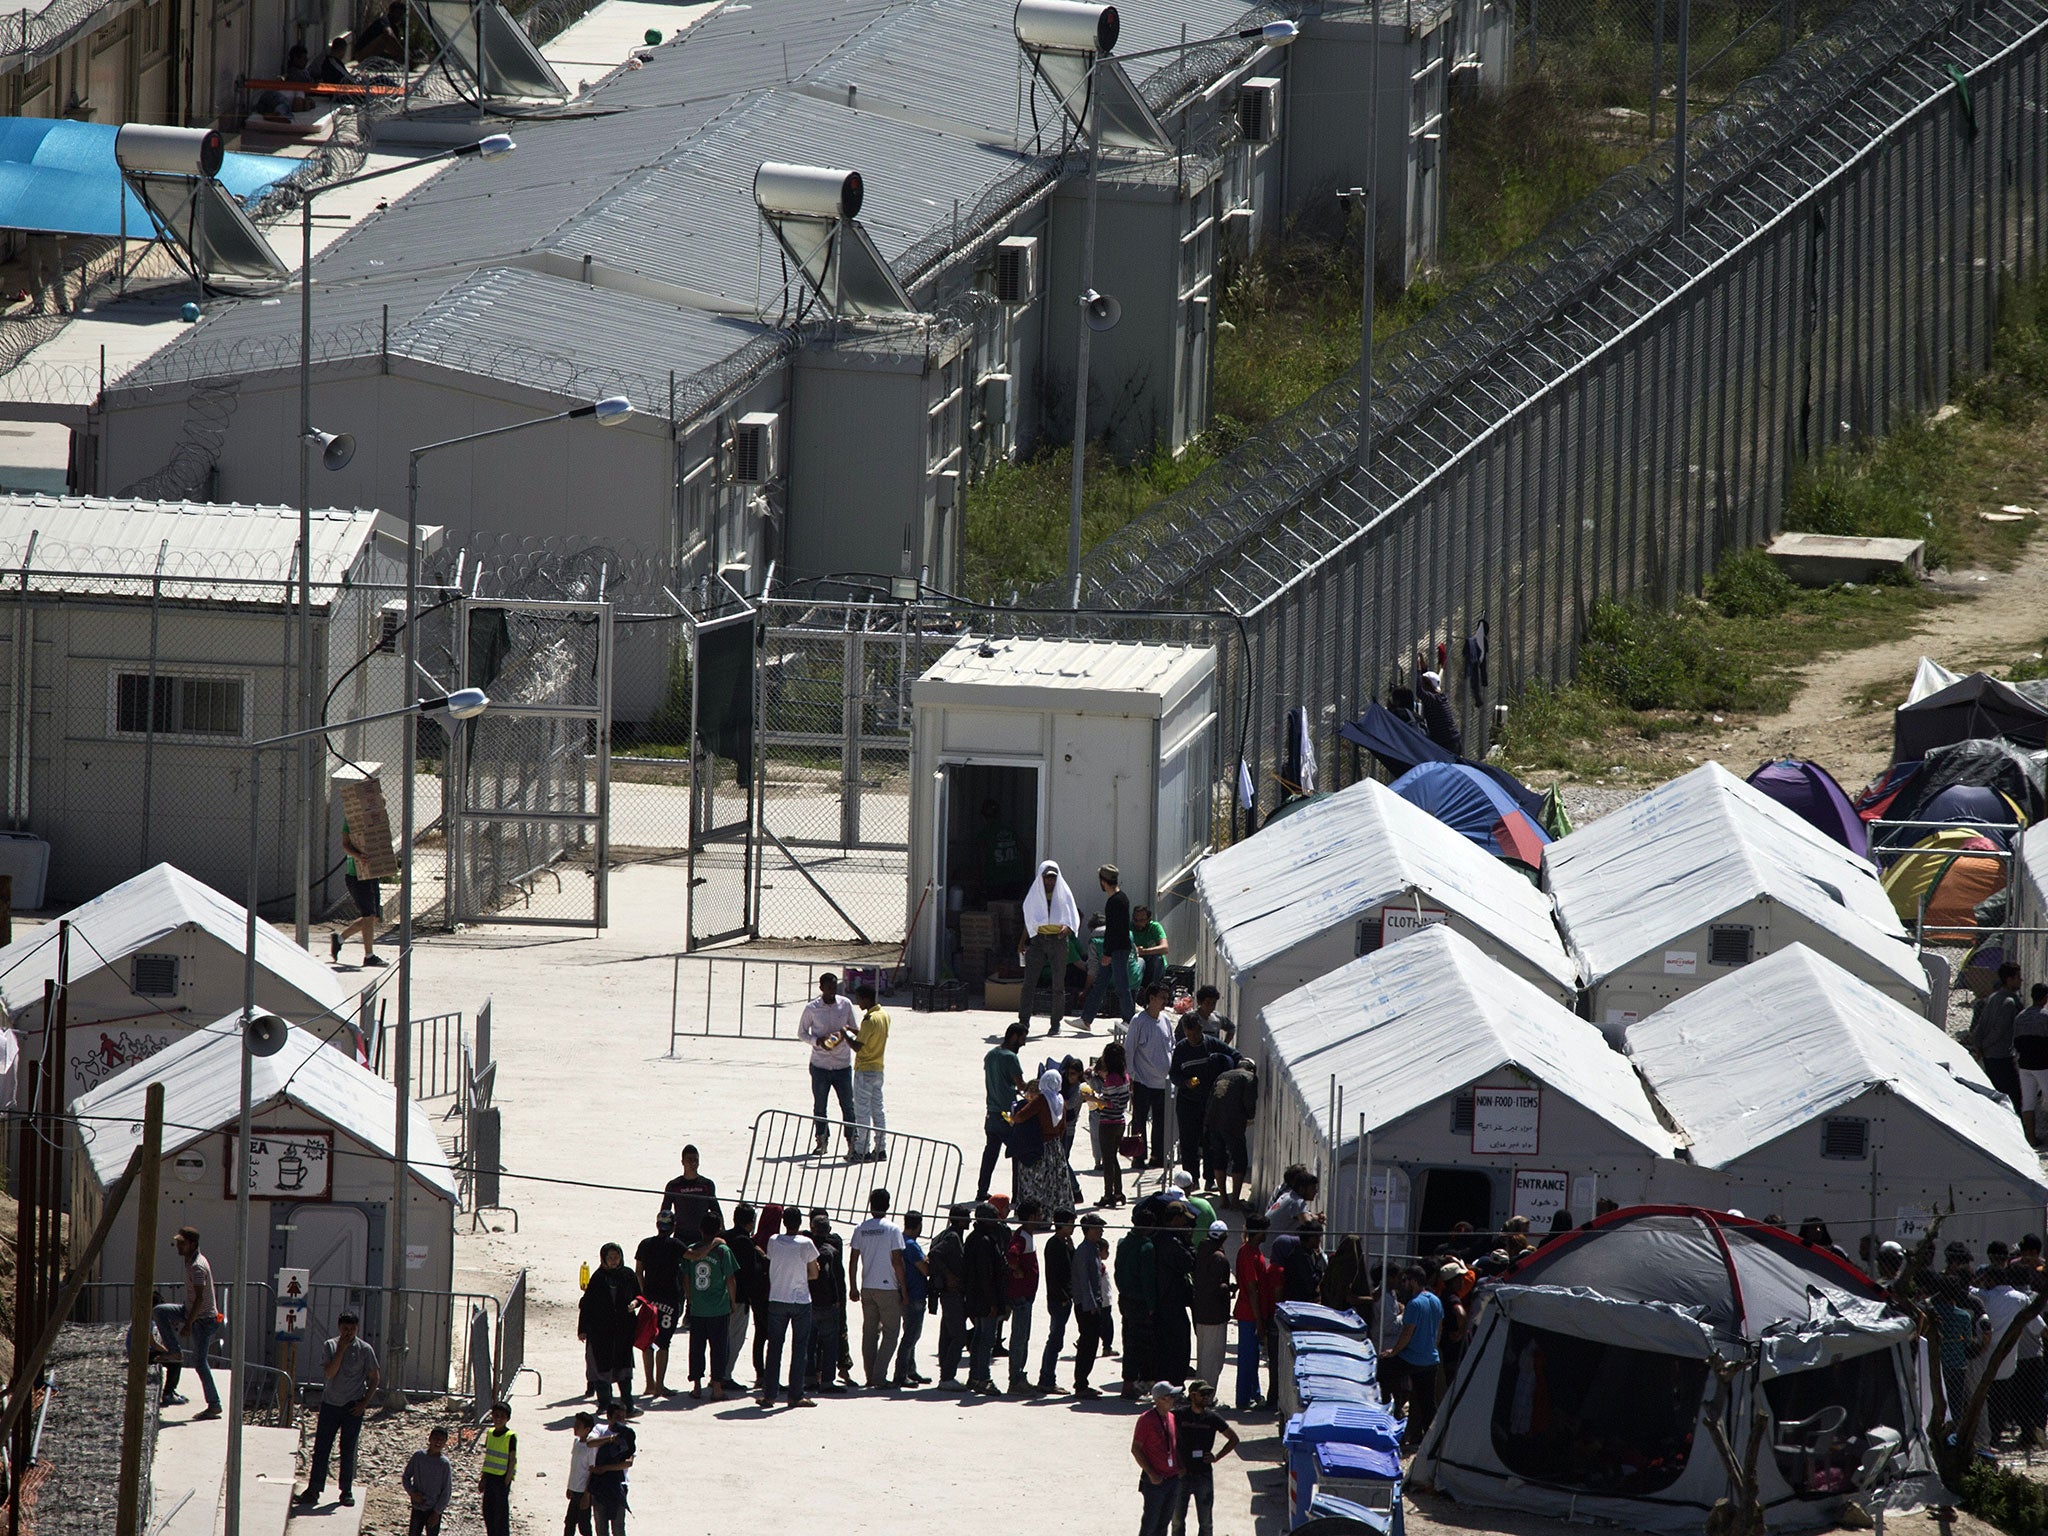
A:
x: 917, y: 1291
x: 1090, y: 1291
x: 1113, y: 970
x: 1044, y: 1176
x: 877, y: 1246
x: 1056, y: 1264
x: 1148, y: 943
x: 1991, y: 1032
x: 658, y: 1262
x: 830, y: 1028
x: 429, y: 1483
x: 1149, y: 1040
x: 750, y: 1304
x: 1412, y: 1362
x: 2030, y: 1060
x: 609, y: 1472
x: 1107, y: 1091
x: 1173, y: 1273
x: 500, y: 1466
x: 1258, y: 1295
x: 1155, y: 1447
x: 1200, y: 1211
x: 793, y: 1266
x: 1217, y: 1026
x: 713, y: 1275
x: 985, y: 1295
x: 1196, y: 1063
x: 197, y: 1318
x: 1197, y: 1428
x: 1297, y: 1192
x: 576, y: 1521
x: 606, y: 1322
x: 1072, y: 1074
x: 831, y: 1354
x: 1002, y: 1074
x: 1137, y: 1297
x: 948, y: 1266
x: 1233, y: 1102
x: 870, y: 1119
x: 1210, y: 1307
x: 1020, y: 1261
x: 688, y: 1196
x: 2003, y: 1302
x: 1052, y: 919
x: 1300, y: 1256
x: 348, y: 1369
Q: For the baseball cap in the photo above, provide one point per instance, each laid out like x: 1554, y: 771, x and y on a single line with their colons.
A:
x: 1217, y: 1229
x: 665, y: 1219
x: 1165, y: 1389
x: 1891, y: 1250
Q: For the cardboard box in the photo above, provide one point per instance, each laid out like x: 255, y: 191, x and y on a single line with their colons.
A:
x: 361, y: 794
x: 1003, y: 995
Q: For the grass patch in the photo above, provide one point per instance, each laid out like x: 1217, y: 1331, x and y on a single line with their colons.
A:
x: 2010, y: 1500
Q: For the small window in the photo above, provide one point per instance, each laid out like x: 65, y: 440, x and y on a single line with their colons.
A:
x: 1732, y: 944
x: 1461, y: 1114
x: 155, y: 976
x: 210, y: 708
x: 1845, y: 1140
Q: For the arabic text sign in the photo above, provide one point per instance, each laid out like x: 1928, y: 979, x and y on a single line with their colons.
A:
x: 286, y: 1165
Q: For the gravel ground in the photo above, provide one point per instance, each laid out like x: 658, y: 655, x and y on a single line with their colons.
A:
x: 1589, y: 802
x: 389, y: 1439
x: 81, y: 1449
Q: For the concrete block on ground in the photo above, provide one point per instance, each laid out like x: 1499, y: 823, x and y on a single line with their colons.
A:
x: 1824, y: 559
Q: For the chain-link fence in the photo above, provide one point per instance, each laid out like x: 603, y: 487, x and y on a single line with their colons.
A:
x: 1613, y: 410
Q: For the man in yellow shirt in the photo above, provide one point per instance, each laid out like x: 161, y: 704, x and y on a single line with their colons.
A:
x: 869, y: 1122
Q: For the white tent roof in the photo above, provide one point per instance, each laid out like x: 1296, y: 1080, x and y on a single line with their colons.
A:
x: 1072, y: 676
x: 201, y: 1075
x: 1430, y: 1014
x: 1776, y: 1045
x: 1697, y: 847
x: 138, y: 913
x: 1339, y: 857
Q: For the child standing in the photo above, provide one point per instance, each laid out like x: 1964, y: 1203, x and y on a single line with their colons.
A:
x: 1108, y: 1092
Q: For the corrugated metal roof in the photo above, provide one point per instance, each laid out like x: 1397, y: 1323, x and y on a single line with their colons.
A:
x: 1335, y: 859
x: 1077, y: 676
x: 140, y: 911
x: 1699, y: 846
x: 82, y: 541
x: 1777, y: 1045
x: 1410, y: 1023
x: 202, y: 1082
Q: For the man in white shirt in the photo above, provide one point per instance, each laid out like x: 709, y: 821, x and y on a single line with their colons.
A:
x: 792, y: 1266
x: 582, y: 1454
x: 2003, y: 1301
x: 829, y: 1028
x: 878, y: 1250
x: 1149, y: 1042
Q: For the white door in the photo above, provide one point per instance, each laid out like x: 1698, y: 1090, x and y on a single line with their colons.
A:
x: 333, y: 1243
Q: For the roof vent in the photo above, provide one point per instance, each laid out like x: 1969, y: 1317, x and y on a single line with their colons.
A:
x: 1461, y: 1114
x: 154, y: 976
x: 1731, y: 944
x: 1845, y: 1140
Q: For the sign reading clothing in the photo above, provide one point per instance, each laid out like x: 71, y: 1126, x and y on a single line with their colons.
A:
x: 1507, y: 1122
x: 1400, y: 922
x: 285, y: 1165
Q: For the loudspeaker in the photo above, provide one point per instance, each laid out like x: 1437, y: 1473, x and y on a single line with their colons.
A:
x: 265, y: 1034
x: 1100, y: 310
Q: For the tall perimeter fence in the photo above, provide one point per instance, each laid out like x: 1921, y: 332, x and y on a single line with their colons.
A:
x: 1611, y: 412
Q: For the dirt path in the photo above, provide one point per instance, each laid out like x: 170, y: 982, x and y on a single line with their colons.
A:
x: 1841, y: 717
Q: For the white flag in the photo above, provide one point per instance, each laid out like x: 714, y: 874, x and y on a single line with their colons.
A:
x: 1244, y: 785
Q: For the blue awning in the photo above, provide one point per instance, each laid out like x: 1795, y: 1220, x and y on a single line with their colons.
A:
x: 60, y: 177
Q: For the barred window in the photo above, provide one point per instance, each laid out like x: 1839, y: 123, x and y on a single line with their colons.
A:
x: 210, y: 708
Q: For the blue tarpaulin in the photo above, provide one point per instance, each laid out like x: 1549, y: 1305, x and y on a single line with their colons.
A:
x: 1469, y: 800
x: 60, y: 177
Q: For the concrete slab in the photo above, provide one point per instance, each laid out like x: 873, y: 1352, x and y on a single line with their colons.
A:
x: 1825, y: 559
x: 269, y: 1465
x: 188, y: 1471
x: 606, y: 37
x: 329, y: 1519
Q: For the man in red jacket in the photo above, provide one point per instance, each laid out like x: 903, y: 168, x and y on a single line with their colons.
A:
x: 1258, y: 1293
x: 1155, y: 1447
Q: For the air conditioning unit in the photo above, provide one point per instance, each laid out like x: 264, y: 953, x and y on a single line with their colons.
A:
x: 753, y: 449
x: 995, y: 398
x: 1017, y: 269
x: 390, y: 625
x: 1237, y: 234
x: 1258, y: 109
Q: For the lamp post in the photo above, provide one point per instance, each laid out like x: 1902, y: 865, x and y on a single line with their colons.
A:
x: 1099, y: 311
x: 608, y: 412
x: 336, y: 449
x: 262, y: 1036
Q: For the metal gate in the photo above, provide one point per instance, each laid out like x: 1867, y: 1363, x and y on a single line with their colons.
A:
x: 721, y: 860
x: 528, y: 824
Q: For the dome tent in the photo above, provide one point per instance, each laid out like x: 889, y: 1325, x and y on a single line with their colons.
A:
x: 1604, y: 1365
x: 1810, y: 792
x: 1939, y: 881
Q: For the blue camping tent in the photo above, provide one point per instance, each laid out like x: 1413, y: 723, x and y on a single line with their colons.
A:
x: 1468, y: 800
x: 60, y: 177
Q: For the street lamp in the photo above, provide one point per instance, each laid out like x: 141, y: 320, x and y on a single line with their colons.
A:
x: 1085, y: 35
x: 608, y: 412
x: 262, y: 1035
x: 336, y: 449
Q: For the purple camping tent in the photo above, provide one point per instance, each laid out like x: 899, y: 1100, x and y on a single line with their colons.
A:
x: 1810, y: 792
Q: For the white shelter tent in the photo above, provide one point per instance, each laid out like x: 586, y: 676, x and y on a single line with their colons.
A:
x: 325, y: 1136
x: 151, y: 960
x: 1472, y: 1093
x: 1602, y: 1365
x: 1805, y: 1090
x: 1343, y: 876
x: 1703, y: 875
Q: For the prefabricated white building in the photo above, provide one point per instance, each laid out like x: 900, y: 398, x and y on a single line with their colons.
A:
x: 1805, y: 1091
x: 2030, y: 911
x: 1090, y: 752
x: 152, y: 960
x: 1344, y: 875
x: 1472, y: 1094
x: 1704, y: 875
x: 320, y: 1197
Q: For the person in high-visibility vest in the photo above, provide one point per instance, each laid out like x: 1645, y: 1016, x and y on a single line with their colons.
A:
x: 501, y: 1465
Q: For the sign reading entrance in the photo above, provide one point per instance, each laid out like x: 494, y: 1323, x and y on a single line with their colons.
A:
x: 1539, y: 1195
x: 285, y: 1165
x: 1507, y: 1122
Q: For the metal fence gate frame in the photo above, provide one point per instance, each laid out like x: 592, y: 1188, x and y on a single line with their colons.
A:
x: 547, y: 735
x: 715, y: 837
x: 923, y: 1172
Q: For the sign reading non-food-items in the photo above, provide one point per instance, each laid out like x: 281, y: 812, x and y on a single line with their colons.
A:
x: 1507, y: 1122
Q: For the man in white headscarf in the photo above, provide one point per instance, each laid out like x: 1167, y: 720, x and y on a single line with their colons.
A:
x: 1051, y: 918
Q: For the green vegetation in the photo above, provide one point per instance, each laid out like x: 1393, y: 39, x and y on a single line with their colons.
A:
x: 1288, y: 326
x: 2000, y: 1496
